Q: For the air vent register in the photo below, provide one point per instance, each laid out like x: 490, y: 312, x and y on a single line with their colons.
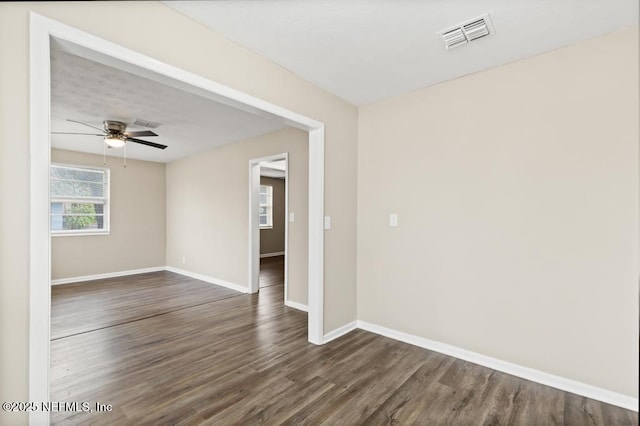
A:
x: 467, y: 31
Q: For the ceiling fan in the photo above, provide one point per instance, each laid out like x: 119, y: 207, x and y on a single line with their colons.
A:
x: 115, y: 134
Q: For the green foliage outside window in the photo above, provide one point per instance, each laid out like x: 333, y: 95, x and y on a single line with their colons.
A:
x: 80, y: 222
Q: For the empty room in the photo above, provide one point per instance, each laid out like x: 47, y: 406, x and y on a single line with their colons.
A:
x: 319, y: 212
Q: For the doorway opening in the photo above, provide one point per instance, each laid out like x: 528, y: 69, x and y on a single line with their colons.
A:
x: 43, y: 31
x: 273, y: 215
x: 270, y: 216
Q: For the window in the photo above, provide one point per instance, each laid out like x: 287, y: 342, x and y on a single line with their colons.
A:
x: 79, y: 200
x: 266, y: 206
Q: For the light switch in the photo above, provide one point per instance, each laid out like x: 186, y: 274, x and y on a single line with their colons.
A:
x: 327, y: 222
x: 292, y: 217
x: 393, y: 219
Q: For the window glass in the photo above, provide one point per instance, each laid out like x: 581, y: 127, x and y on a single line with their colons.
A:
x: 265, y: 211
x: 79, y: 200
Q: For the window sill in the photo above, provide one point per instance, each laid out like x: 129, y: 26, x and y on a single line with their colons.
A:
x: 266, y: 227
x: 77, y: 234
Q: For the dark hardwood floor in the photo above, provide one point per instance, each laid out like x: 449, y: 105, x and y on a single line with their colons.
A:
x: 165, y: 349
x: 271, y: 271
x: 82, y: 307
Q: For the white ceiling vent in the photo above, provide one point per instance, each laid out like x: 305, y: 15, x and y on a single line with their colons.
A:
x: 145, y: 123
x: 467, y: 31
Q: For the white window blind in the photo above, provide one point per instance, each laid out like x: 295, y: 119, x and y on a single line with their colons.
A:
x: 79, y: 199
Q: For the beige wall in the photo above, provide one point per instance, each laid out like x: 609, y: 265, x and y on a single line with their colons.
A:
x: 137, y: 236
x: 208, y: 209
x: 517, y: 195
x: 272, y: 240
x: 169, y: 37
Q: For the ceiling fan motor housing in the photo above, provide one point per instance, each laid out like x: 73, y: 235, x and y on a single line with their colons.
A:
x: 116, y: 127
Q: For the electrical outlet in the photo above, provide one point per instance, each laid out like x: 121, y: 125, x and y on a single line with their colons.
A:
x: 184, y: 259
x: 292, y: 217
x: 393, y: 220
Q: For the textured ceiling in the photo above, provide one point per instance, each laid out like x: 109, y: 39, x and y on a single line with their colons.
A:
x: 90, y: 92
x: 368, y: 50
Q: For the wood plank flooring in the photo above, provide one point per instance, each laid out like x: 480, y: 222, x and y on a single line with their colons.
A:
x: 81, y: 307
x: 166, y: 349
x: 271, y: 271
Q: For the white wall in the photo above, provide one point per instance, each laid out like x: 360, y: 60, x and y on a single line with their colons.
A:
x: 517, y: 195
x: 208, y: 209
x: 137, y: 211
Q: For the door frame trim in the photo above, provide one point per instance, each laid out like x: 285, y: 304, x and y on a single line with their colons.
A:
x: 254, y: 226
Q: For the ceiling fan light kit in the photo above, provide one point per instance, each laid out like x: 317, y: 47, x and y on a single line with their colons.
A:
x: 115, y: 137
x: 115, y: 140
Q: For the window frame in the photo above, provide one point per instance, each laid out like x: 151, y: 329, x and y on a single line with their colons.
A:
x: 106, y: 209
x: 268, y: 205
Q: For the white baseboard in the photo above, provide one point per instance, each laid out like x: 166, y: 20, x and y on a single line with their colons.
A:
x: 208, y: 279
x: 527, y: 373
x: 106, y: 275
x: 296, y: 305
x: 339, y: 332
x: 277, y: 253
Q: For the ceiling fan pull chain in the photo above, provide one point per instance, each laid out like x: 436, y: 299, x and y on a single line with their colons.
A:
x: 125, y: 155
x: 104, y: 154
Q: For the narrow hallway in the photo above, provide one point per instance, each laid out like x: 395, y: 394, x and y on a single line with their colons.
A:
x: 271, y: 271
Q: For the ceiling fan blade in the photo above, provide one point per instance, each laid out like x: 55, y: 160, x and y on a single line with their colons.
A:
x: 67, y: 133
x: 140, y: 133
x: 140, y: 141
x: 80, y: 122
